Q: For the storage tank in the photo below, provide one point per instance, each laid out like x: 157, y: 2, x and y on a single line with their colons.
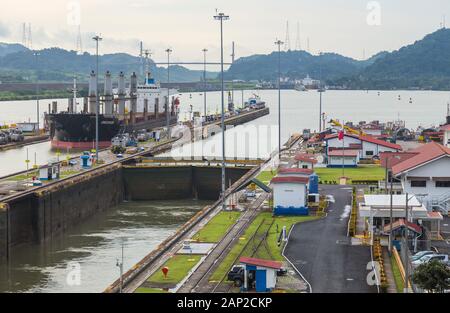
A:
x: 314, y: 183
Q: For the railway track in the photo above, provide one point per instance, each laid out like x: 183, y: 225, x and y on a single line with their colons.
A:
x: 223, y: 287
x: 199, y: 280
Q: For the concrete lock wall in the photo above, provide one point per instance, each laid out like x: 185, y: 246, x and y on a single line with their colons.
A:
x: 181, y: 182
x: 35, y: 217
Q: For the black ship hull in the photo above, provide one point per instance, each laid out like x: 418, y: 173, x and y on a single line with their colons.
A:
x: 78, y: 131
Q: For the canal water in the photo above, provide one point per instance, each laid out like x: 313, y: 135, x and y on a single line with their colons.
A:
x: 299, y: 110
x: 84, y: 259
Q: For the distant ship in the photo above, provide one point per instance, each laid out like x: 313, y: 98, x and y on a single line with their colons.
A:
x: 77, y: 130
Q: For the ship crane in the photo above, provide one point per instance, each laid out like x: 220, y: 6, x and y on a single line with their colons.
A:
x: 347, y: 128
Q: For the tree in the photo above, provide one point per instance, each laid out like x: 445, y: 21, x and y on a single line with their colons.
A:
x: 433, y: 276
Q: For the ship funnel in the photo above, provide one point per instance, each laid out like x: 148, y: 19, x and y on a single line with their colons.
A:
x: 121, y: 92
x: 92, y: 93
x: 108, y: 94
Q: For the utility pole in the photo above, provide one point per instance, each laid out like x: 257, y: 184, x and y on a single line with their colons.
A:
x: 279, y: 43
x: 222, y: 17
x: 204, y: 82
x: 232, y: 78
x: 37, y: 54
x: 119, y: 264
x: 169, y: 51
x: 97, y: 104
x: 405, y: 290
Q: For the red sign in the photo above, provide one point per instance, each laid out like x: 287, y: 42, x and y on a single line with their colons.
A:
x: 341, y: 135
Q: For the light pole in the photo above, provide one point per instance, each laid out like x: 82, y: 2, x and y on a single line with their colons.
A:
x: 37, y: 54
x: 222, y: 17
x: 204, y: 82
x: 169, y: 51
x: 119, y: 264
x: 279, y: 43
x: 97, y: 104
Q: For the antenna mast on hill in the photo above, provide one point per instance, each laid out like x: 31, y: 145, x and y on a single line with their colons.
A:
x: 24, y: 35
x: 30, y: 38
x: 79, y: 41
x: 287, y: 42
x: 298, y: 43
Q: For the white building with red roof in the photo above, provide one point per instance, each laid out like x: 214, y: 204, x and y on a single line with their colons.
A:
x: 343, y: 158
x: 368, y: 147
x: 290, y: 194
x: 305, y: 161
x: 426, y: 173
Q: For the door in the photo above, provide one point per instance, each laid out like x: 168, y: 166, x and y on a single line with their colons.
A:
x: 261, y: 281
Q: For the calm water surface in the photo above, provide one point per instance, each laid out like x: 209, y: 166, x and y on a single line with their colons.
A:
x: 94, y: 247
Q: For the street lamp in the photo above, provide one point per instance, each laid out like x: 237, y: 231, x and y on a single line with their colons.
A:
x: 222, y: 17
x: 168, y: 51
x: 279, y: 43
x: 119, y: 264
x: 97, y: 105
x: 204, y: 82
x: 37, y: 54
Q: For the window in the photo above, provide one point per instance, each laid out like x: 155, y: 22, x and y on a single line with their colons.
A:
x: 418, y: 183
x: 443, y: 183
x: 305, y: 166
x: 369, y: 152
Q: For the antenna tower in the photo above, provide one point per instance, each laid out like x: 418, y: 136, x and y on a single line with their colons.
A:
x: 287, y: 42
x: 298, y: 43
x: 79, y: 41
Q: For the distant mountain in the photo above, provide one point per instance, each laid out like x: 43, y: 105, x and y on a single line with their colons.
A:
x: 55, y: 64
x: 423, y: 64
x: 8, y: 48
x: 295, y: 65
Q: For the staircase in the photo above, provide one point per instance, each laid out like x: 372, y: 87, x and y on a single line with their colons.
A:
x: 441, y: 202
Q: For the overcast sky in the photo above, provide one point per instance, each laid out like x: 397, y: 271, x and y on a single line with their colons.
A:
x: 348, y: 27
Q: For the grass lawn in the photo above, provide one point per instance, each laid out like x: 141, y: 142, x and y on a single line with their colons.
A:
x: 397, y: 276
x: 274, y: 250
x: 179, y: 266
x: 359, y: 173
x: 149, y: 290
x: 266, y: 176
x: 217, y: 227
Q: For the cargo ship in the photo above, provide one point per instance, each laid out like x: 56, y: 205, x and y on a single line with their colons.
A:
x: 128, y: 110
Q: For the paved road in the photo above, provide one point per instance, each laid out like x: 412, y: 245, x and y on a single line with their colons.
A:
x: 321, y: 250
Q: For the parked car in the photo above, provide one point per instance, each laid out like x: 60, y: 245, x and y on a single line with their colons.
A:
x: 236, y: 275
x: 427, y: 258
x: 421, y: 254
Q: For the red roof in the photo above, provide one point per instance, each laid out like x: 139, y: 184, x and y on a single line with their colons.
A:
x: 425, y: 153
x: 380, y: 142
x: 401, y: 223
x: 260, y: 262
x: 370, y: 139
x: 345, y: 153
x: 303, y: 157
x: 290, y: 179
x: 305, y: 171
